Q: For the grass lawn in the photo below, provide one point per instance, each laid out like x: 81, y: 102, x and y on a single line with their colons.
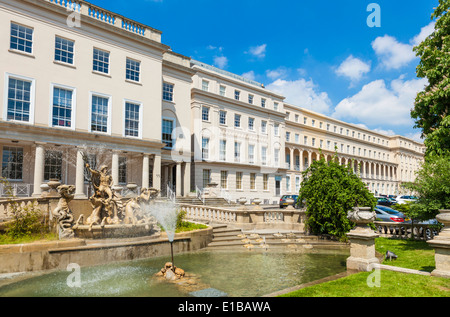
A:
x: 4, y: 239
x: 392, y: 284
x: 415, y: 255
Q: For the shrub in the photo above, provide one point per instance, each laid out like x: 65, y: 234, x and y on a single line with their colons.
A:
x: 330, y: 191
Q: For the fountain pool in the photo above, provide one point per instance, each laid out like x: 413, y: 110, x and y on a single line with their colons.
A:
x: 236, y: 273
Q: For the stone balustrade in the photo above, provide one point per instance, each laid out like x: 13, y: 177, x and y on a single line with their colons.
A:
x: 406, y: 230
x: 247, y: 217
x: 90, y: 10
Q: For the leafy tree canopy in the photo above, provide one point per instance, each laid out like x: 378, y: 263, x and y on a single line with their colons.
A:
x: 432, y: 186
x: 432, y: 105
x: 330, y: 191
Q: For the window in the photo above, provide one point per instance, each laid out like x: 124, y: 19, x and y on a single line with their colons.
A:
x: 288, y: 136
x: 313, y: 123
x: 52, y: 165
x: 205, y: 113
x: 223, y: 150
x: 264, y: 155
x: 297, y: 138
x: 222, y: 117
x: 20, y: 99
x: 205, y: 148
x: 237, y: 152
x: 313, y: 142
x: 288, y: 183
x: 263, y: 102
x: 305, y: 140
x: 276, y: 129
x: 305, y: 120
x: 224, y: 179
x: 122, y: 170
x: 167, y: 128
x: 321, y: 144
x: 297, y: 117
x: 276, y: 157
x: 252, y: 181
x: 133, y: 70
x: 297, y: 184
x: 239, y: 180
x: 206, y: 178
x: 250, y: 99
x: 205, y: 85
x: 132, y: 118
x: 328, y: 145
x: 222, y: 90
x: 251, y: 153
x: 21, y: 38
x: 263, y: 126
x: 251, y: 124
x: 237, y: 95
x: 275, y: 106
x: 265, y: 181
x: 167, y: 92
x: 99, y: 114
x: 237, y: 120
x: 101, y: 61
x: 64, y: 50
x: 62, y: 107
x: 12, y: 163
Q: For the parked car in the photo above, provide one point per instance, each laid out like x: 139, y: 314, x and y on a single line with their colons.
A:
x: 405, y: 198
x: 384, y: 201
x: 284, y: 203
x: 387, y: 214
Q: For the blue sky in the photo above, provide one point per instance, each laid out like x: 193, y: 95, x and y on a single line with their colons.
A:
x: 321, y: 55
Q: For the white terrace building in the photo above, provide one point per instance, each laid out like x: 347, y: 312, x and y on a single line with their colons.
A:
x: 80, y: 80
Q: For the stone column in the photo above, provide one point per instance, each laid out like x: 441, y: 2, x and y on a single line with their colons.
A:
x: 157, y: 172
x: 187, y: 179
x: 178, y: 180
x: 39, y: 162
x: 441, y: 245
x: 79, y: 176
x: 362, y: 240
x: 291, y: 159
x: 145, y: 171
x: 301, y: 160
x: 115, y: 168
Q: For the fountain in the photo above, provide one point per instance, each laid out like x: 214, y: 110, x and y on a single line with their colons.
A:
x: 113, y: 216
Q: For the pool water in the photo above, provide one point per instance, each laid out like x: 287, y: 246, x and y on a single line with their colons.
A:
x: 238, y: 274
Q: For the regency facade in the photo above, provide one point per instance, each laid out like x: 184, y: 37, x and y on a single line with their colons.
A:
x: 80, y: 83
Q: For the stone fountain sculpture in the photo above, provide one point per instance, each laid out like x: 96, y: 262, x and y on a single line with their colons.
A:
x: 115, y: 216
x: 62, y: 212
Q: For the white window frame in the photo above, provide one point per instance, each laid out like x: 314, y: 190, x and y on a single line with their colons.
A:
x: 124, y: 105
x: 91, y: 94
x: 126, y: 69
x: 174, y: 137
x: 73, y: 57
x: 32, y: 97
x: 109, y: 61
x: 74, y: 105
x: 32, y: 39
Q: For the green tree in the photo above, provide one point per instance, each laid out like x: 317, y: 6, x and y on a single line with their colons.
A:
x: 431, y: 108
x: 432, y: 186
x: 330, y: 190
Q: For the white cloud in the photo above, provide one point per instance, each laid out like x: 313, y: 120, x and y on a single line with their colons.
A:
x: 278, y: 73
x: 302, y: 93
x: 415, y: 136
x: 258, y: 51
x: 353, y: 68
x: 377, y: 104
x: 220, y: 61
x: 249, y: 75
x: 392, y: 53
x: 424, y: 33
